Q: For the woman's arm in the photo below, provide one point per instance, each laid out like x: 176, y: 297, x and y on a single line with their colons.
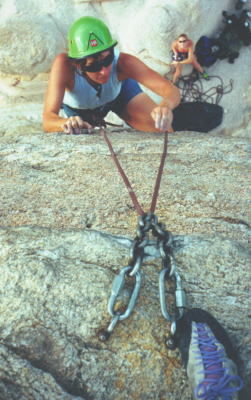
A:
x: 174, y: 49
x: 54, y: 95
x: 61, y: 77
x: 131, y: 67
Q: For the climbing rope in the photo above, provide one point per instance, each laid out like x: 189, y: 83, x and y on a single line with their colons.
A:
x: 147, y: 223
x: 191, y: 87
x: 134, y: 199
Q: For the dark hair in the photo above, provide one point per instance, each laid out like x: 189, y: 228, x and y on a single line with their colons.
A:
x: 78, y: 61
x: 82, y: 61
x: 183, y: 35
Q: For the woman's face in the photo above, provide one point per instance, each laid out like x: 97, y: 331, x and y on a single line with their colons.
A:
x: 183, y: 41
x: 98, y: 68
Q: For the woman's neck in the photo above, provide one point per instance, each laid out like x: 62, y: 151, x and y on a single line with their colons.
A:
x: 95, y: 85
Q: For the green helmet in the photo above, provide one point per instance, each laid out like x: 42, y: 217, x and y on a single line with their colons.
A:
x: 88, y: 36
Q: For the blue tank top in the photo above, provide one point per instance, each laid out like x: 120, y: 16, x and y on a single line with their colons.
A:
x: 84, y: 96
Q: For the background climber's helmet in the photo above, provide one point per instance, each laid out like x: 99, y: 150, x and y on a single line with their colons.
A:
x: 88, y: 36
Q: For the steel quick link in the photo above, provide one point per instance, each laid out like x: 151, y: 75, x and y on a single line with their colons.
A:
x: 180, y: 301
x: 169, y: 272
x: 117, y: 287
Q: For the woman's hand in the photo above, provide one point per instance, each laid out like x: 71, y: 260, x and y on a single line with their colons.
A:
x: 75, y: 125
x: 163, y: 117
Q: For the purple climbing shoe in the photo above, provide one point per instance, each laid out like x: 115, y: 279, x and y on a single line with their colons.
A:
x: 208, y: 356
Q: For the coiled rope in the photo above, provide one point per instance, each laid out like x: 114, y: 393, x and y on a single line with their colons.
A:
x: 191, y: 87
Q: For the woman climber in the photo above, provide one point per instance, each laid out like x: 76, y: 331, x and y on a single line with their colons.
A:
x: 94, y: 78
x: 183, y: 53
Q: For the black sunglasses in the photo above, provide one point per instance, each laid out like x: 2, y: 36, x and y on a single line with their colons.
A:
x: 96, y: 66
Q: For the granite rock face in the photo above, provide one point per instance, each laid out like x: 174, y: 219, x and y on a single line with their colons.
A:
x: 67, y: 224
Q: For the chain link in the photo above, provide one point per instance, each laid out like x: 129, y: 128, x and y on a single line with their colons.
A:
x: 137, y: 254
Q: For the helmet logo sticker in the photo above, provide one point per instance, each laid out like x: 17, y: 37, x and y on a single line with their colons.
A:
x: 93, y: 42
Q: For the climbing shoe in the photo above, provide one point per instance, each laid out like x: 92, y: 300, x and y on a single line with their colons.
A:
x: 208, y: 356
x: 205, y: 76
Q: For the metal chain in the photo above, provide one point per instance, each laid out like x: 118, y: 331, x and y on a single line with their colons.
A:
x: 164, y: 241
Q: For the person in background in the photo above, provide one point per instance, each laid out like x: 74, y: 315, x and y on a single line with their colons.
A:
x: 94, y: 78
x: 183, y: 53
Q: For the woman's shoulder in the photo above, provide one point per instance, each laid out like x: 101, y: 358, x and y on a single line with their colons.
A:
x: 62, y: 63
x: 61, y: 59
x: 62, y: 69
x: 126, y: 60
x: 125, y: 64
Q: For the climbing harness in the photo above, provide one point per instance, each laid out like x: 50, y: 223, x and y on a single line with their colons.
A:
x: 147, y: 223
x: 191, y: 87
